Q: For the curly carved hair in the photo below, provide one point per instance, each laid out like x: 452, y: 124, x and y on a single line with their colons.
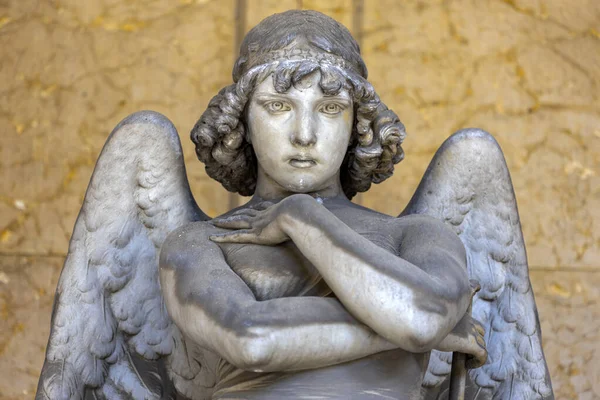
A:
x: 220, y: 134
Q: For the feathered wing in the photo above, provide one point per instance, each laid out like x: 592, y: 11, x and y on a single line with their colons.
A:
x: 468, y: 186
x: 110, y: 331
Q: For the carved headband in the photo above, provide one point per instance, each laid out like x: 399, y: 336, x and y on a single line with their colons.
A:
x: 301, y: 54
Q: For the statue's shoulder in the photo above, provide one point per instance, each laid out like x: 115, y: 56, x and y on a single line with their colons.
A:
x: 421, y: 222
x: 188, y: 241
x: 425, y: 229
x: 191, y: 231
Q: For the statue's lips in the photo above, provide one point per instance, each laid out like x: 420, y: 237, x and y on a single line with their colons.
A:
x: 302, y: 162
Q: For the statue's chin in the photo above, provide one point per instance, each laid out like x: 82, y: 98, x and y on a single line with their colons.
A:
x: 304, y: 181
x: 301, y: 186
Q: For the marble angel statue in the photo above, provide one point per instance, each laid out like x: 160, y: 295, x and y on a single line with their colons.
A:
x: 299, y: 293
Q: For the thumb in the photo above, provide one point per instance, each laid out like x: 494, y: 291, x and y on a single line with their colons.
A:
x: 475, y: 286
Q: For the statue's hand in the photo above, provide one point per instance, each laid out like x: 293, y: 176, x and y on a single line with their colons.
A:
x: 258, y: 224
x: 467, y: 338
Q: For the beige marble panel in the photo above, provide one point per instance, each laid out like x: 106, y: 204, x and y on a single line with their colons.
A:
x: 256, y: 11
x: 569, y: 309
x: 526, y: 71
x: 27, y: 287
x: 72, y: 70
x: 340, y: 10
x: 568, y: 305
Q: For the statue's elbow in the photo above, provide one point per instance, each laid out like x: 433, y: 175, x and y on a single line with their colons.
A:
x: 427, y: 330
x: 423, y: 339
x: 247, y: 344
x: 253, y: 353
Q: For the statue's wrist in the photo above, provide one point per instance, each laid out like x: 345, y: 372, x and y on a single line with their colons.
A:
x: 295, y: 208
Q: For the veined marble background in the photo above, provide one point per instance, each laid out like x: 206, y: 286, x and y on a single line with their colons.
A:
x: 528, y: 71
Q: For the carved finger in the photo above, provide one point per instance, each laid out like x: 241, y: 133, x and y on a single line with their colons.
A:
x: 473, y: 362
x: 475, y: 286
x: 477, y: 359
x: 263, y: 205
x: 241, y: 236
x: 482, y: 359
x: 479, y: 328
x: 239, y: 222
x: 245, y: 212
x: 480, y: 341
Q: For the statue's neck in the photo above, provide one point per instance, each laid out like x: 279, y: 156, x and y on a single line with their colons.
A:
x: 268, y: 189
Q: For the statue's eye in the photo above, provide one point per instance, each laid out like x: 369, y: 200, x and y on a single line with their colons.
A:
x: 331, y: 108
x: 278, y: 106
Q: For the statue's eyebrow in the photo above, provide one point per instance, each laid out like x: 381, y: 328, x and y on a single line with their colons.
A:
x: 263, y: 96
x: 270, y: 96
x: 342, y: 96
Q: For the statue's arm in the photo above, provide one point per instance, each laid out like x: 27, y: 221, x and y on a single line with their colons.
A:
x: 216, y: 309
x: 413, y: 298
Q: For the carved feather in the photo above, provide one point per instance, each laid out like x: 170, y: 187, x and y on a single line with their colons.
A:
x: 110, y: 329
x: 468, y: 186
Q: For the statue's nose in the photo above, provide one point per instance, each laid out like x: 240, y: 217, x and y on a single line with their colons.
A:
x: 305, y: 131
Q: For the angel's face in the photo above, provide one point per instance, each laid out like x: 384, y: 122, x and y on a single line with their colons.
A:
x: 300, y: 137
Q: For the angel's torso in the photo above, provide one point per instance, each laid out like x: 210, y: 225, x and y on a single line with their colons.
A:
x: 282, y: 271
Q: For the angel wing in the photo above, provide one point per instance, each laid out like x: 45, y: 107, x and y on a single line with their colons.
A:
x: 468, y: 186
x: 111, y: 336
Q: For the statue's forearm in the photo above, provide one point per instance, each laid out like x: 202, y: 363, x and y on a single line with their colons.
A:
x: 394, y: 297
x: 282, y: 334
x: 311, y: 332
x: 215, y: 309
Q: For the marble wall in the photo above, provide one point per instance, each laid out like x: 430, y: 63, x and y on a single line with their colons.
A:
x: 528, y: 71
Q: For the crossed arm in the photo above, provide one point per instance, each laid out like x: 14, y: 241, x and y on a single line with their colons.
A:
x: 392, y: 301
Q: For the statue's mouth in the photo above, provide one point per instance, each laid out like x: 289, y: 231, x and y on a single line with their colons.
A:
x: 302, y: 162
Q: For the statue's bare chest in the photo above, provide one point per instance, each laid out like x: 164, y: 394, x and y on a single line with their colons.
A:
x: 282, y: 270
x: 275, y: 271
